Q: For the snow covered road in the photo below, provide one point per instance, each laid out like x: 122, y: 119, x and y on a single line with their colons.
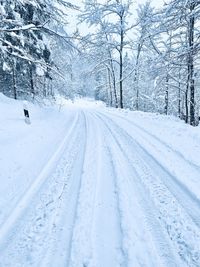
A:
x: 113, y: 194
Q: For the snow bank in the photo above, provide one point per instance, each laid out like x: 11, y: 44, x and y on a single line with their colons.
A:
x: 25, y: 149
x: 171, y: 130
x: 169, y: 141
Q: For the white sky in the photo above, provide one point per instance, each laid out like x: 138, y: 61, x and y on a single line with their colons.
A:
x: 156, y: 3
x: 72, y: 18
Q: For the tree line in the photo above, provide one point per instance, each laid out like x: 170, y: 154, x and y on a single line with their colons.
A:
x: 148, y: 61
x: 27, y: 67
x: 135, y: 57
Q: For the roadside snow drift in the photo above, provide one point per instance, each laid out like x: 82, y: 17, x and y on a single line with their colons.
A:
x: 88, y: 186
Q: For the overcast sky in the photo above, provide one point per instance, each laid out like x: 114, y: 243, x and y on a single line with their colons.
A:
x: 72, y: 19
x: 156, y: 3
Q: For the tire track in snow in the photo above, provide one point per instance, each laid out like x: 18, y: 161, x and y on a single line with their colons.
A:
x: 87, y: 249
x: 180, y: 191
x: 80, y: 253
x: 59, y: 251
x: 137, y: 242
x: 179, y: 227
x: 157, y: 139
x: 28, y: 238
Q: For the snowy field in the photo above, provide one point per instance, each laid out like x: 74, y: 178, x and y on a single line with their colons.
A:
x: 87, y: 186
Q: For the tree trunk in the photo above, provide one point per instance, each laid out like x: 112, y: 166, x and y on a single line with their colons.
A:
x: 167, y: 94
x: 186, y: 105
x: 110, y: 88
x: 191, y: 65
x: 179, y: 95
x: 44, y: 88
x: 115, y: 89
x: 114, y: 82
x: 121, y: 64
x: 113, y: 75
x: 14, y: 81
x: 120, y: 82
x: 31, y: 81
x: 136, y: 75
x: 137, y: 98
x: 136, y: 84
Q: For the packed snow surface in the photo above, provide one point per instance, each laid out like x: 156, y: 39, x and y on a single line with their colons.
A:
x: 88, y: 186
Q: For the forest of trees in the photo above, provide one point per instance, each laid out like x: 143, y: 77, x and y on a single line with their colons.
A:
x: 135, y: 57
x: 29, y: 33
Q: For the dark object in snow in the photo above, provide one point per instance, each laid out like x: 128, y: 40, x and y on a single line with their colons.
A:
x: 26, y: 114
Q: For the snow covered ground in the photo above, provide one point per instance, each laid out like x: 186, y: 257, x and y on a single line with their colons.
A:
x: 88, y: 186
